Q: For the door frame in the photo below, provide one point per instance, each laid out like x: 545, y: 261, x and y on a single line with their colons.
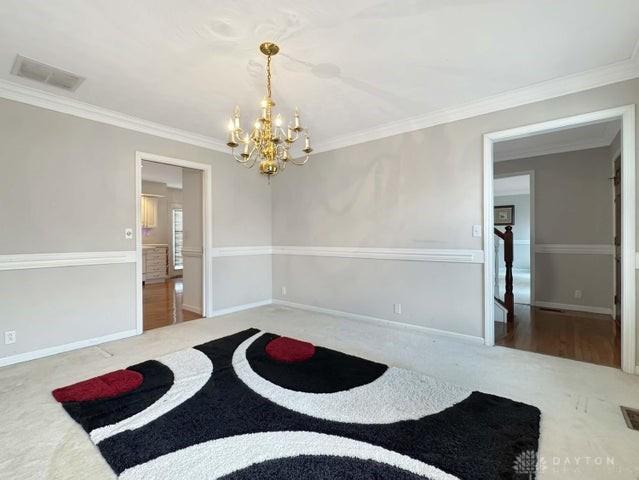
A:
x: 207, y: 230
x: 628, y: 217
x: 531, y: 212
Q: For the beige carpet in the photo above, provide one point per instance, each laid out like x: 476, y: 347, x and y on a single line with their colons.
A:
x: 579, y: 402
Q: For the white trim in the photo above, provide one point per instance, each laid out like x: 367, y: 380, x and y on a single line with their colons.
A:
x: 575, y: 249
x: 241, y: 251
x: 191, y: 308
x: 585, y: 144
x: 576, y: 308
x: 46, y: 352
x: 191, y: 252
x: 415, y: 254
x: 383, y: 322
x: 628, y: 240
x: 597, y: 77
x: 239, y: 308
x: 207, y: 230
x: 67, y: 259
x: 58, y: 103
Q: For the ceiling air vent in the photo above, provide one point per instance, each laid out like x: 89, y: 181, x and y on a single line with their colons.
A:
x: 43, y: 73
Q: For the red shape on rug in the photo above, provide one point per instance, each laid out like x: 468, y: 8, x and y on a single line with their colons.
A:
x: 290, y: 350
x: 105, y: 386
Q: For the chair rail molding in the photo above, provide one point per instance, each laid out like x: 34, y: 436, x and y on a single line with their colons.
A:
x: 410, y: 254
x: 414, y: 254
x: 191, y: 252
x: 26, y: 261
x: 241, y: 251
x: 575, y: 249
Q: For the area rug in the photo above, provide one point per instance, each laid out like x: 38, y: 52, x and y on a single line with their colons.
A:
x: 257, y: 406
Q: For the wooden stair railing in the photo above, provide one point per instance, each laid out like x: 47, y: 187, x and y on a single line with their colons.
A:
x: 509, y: 298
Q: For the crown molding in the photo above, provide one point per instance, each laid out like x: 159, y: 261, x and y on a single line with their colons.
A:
x: 585, y: 144
x: 58, y: 103
x: 598, y: 77
x: 603, y: 140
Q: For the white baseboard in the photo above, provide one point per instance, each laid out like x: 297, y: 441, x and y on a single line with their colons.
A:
x: 191, y: 308
x: 576, y: 308
x: 239, y: 308
x: 46, y: 352
x: 383, y: 322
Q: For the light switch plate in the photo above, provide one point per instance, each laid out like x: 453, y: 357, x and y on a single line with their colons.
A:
x: 128, y: 233
x: 476, y: 230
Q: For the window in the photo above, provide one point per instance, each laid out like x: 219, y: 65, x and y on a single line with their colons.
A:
x: 178, y: 238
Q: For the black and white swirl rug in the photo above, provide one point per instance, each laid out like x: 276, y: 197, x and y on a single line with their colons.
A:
x: 257, y: 406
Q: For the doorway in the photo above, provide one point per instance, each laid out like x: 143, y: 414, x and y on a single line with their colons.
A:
x: 543, y: 252
x: 514, y: 197
x: 173, y: 238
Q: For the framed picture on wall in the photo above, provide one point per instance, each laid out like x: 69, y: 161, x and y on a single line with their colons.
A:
x: 504, y: 215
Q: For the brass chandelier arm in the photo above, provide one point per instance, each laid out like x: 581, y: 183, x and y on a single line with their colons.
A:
x: 299, y: 163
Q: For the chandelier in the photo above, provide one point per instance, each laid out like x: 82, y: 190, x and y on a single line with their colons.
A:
x: 268, y: 141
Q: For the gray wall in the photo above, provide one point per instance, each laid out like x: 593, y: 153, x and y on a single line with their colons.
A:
x: 193, y: 231
x: 422, y: 190
x: 68, y: 185
x: 521, y: 230
x: 573, y: 205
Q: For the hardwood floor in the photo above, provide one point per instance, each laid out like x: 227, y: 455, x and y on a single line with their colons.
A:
x: 163, y: 304
x: 580, y: 336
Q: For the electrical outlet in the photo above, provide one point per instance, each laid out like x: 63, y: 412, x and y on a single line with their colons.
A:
x: 283, y: 291
x: 577, y: 293
x: 476, y: 230
x: 397, y: 308
x: 128, y: 233
x: 9, y: 337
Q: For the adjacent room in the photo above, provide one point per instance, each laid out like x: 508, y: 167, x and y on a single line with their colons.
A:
x: 171, y: 230
x: 302, y: 240
x: 571, y: 181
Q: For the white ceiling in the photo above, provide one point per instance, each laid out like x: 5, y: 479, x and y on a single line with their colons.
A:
x: 517, y: 185
x: 568, y: 140
x: 162, y: 173
x: 350, y: 66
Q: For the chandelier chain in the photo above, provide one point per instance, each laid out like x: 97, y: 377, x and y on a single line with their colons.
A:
x: 268, y: 76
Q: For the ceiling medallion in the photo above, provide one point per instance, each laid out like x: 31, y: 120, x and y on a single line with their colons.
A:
x: 268, y: 141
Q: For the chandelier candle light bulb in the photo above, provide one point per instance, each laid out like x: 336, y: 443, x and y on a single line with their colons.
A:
x: 264, y: 143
